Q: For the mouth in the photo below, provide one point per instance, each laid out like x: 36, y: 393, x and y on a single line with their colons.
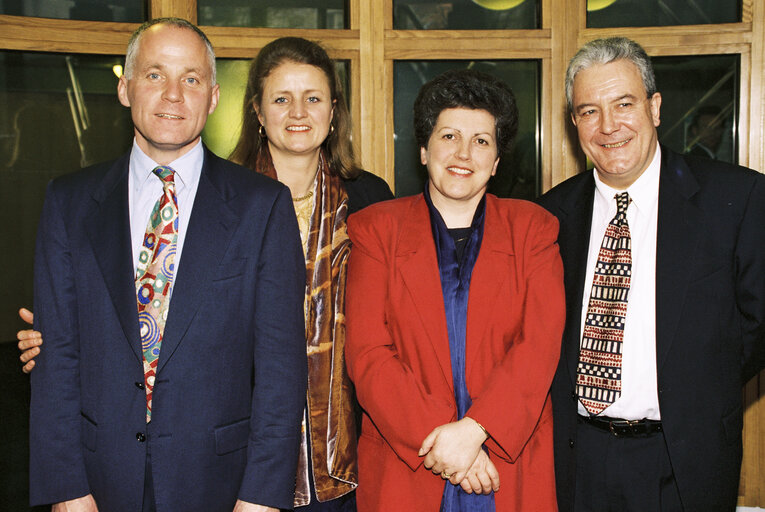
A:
x: 301, y: 128
x: 615, y: 144
x: 169, y: 116
x: 461, y: 171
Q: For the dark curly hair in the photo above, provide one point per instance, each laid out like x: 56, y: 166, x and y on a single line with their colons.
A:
x: 467, y: 88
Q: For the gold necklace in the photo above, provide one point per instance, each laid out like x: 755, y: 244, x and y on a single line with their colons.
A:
x: 303, y: 198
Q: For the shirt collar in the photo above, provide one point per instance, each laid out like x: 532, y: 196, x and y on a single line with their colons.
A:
x: 644, y: 192
x: 187, y: 168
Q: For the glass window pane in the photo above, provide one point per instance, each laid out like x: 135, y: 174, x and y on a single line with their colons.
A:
x: 655, y: 13
x: 518, y: 174
x: 465, y: 14
x: 57, y: 114
x: 225, y: 124
x: 699, y: 104
x: 127, y: 11
x: 330, y: 14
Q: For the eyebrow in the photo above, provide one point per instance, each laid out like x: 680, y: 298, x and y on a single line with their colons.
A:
x: 161, y: 66
x: 308, y: 91
x: 615, y: 100
x: 447, y: 127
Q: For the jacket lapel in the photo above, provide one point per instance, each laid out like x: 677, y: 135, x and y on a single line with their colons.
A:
x: 574, y: 241
x: 679, y: 227
x: 211, y: 226
x: 416, y: 258
x: 109, y: 233
x: 489, y: 275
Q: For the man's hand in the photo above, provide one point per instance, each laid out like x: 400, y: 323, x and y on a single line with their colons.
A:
x: 84, y: 504
x: 451, y: 449
x: 243, y: 506
x: 29, y: 342
x: 482, y: 477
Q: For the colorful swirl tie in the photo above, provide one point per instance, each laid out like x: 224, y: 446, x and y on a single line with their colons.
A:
x: 154, y: 277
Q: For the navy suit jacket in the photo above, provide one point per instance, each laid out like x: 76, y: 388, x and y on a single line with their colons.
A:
x: 231, y: 379
x: 710, y: 319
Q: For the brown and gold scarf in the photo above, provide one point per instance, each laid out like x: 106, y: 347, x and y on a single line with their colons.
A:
x: 330, y: 410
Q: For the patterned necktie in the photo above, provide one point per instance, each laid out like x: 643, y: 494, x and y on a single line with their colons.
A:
x: 154, y: 277
x: 599, y: 374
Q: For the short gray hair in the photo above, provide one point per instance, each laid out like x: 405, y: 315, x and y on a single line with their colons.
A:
x: 135, y: 39
x: 604, y: 51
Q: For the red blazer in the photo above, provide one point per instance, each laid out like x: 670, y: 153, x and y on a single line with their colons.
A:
x: 397, y: 350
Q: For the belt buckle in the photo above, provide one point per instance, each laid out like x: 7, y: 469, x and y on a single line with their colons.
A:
x: 629, y: 423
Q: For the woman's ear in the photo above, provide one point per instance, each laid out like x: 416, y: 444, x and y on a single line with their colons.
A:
x: 256, y: 109
x: 424, y: 156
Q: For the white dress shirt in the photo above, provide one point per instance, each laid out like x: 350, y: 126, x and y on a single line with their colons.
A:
x: 144, y: 188
x: 639, y: 397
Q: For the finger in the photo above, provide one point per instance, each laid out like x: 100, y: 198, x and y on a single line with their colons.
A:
x: 427, y: 443
x: 439, y: 469
x: 26, y: 344
x: 465, y: 484
x: 475, y: 482
x: 26, y: 315
x: 483, y: 480
x: 28, y: 367
x: 458, y: 477
x: 29, y: 354
x: 429, y: 461
x: 491, y: 470
x: 28, y: 334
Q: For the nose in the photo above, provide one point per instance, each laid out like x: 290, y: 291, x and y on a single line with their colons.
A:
x: 463, y: 149
x: 298, y: 110
x: 608, y: 122
x: 172, y: 92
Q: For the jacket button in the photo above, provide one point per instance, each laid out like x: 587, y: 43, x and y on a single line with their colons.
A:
x: 139, y: 385
x: 573, y: 395
x: 141, y: 437
x: 571, y: 443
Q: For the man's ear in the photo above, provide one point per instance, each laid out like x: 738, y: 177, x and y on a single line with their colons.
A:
x: 122, y: 93
x: 655, y: 106
x: 214, y: 99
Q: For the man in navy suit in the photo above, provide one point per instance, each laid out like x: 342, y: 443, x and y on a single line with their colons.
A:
x: 230, y: 380
x: 654, y: 424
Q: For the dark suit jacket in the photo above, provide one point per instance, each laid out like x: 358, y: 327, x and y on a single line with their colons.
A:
x: 231, y: 379
x: 364, y: 190
x: 397, y: 350
x: 710, y: 319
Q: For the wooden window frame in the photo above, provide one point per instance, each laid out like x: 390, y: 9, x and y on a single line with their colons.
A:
x: 371, y: 46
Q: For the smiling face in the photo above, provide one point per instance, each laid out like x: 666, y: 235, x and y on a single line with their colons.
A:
x: 615, y: 121
x: 295, y: 109
x: 170, y: 92
x: 461, y: 157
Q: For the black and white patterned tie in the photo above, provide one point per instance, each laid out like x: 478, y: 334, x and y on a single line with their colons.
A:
x: 599, y: 373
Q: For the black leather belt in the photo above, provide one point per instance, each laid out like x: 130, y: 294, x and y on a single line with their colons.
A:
x: 623, y: 428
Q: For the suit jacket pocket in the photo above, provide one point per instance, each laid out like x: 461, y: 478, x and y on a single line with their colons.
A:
x: 232, y: 437
x: 89, y: 433
x: 230, y: 269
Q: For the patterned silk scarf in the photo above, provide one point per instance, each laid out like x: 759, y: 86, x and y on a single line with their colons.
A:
x: 332, y: 432
x: 455, y: 286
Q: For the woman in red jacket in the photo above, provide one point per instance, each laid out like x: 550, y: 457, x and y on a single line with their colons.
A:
x: 455, y: 310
